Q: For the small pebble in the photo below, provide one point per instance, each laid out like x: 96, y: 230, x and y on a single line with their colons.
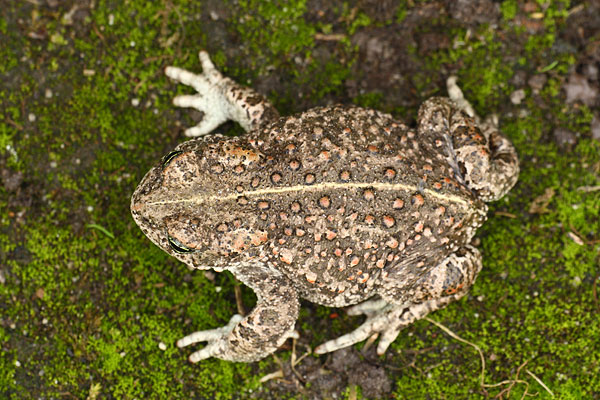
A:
x: 162, y: 346
x: 537, y: 82
x: 595, y: 127
x: 564, y: 137
x: 517, y: 96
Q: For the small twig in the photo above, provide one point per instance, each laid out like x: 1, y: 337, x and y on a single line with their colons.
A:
x: 505, y: 214
x: 580, y: 238
x: 68, y: 394
x: 273, y: 375
x: 237, y: 289
x: 295, y: 361
x: 455, y: 336
x: 510, y: 382
x: 97, y: 32
x: 595, y: 291
x: 332, y: 37
x: 575, y: 9
x: 538, y: 380
x: 13, y: 123
x: 509, y: 388
x: 369, y: 342
x: 588, y: 189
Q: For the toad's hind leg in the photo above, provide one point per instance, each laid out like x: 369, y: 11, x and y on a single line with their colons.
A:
x: 483, y: 159
x: 220, y: 99
x: 447, y: 282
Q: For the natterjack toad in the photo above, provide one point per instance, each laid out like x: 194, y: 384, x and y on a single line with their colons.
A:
x: 339, y: 205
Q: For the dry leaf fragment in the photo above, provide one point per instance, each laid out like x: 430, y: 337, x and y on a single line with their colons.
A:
x: 539, y: 204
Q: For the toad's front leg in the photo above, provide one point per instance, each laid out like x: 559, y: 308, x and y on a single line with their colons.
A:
x: 263, y: 330
x: 447, y: 282
x: 220, y: 99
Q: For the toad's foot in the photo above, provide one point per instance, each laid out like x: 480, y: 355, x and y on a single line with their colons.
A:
x: 382, y: 318
x: 220, y: 99
x: 387, y: 321
x: 457, y: 96
x: 211, y: 99
x: 214, y: 337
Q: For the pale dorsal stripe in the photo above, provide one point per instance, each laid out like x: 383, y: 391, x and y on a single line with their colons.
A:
x: 398, y: 187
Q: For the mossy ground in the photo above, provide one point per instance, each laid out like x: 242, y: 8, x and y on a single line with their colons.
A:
x: 91, y: 309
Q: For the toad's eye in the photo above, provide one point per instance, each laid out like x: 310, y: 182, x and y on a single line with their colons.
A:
x: 179, y: 247
x: 169, y: 157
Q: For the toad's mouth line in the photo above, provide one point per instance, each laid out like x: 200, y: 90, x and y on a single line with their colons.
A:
x: 398, y: 187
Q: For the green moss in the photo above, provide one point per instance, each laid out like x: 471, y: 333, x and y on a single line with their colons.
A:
x: 277, y: 30
x: 370, y: 100
x: 509, y: 9
x: 7, y: 366
x: 484, y: 73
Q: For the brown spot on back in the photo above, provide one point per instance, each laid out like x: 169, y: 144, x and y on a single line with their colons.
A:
x: 398, y: 204
x: 276, y: 178
x: 325, y: 202
x: 222, y: 227
x: 388, y: 221
x: 345, y: 176
x: 417, y: 200
x: 309, y: 179
x: 325, y: 155
x: 330, y: 235
x: 369, y: 194
x: 294, y: 165
x: 390, y: 173
x: 295, y: 207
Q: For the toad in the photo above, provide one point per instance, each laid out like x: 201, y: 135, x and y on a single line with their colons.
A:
x: 339, y: 205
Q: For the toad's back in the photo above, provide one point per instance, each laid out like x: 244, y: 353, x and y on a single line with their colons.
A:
x: 337, y: 198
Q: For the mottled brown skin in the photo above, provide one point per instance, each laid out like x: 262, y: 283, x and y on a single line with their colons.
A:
x: 335, y: 205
